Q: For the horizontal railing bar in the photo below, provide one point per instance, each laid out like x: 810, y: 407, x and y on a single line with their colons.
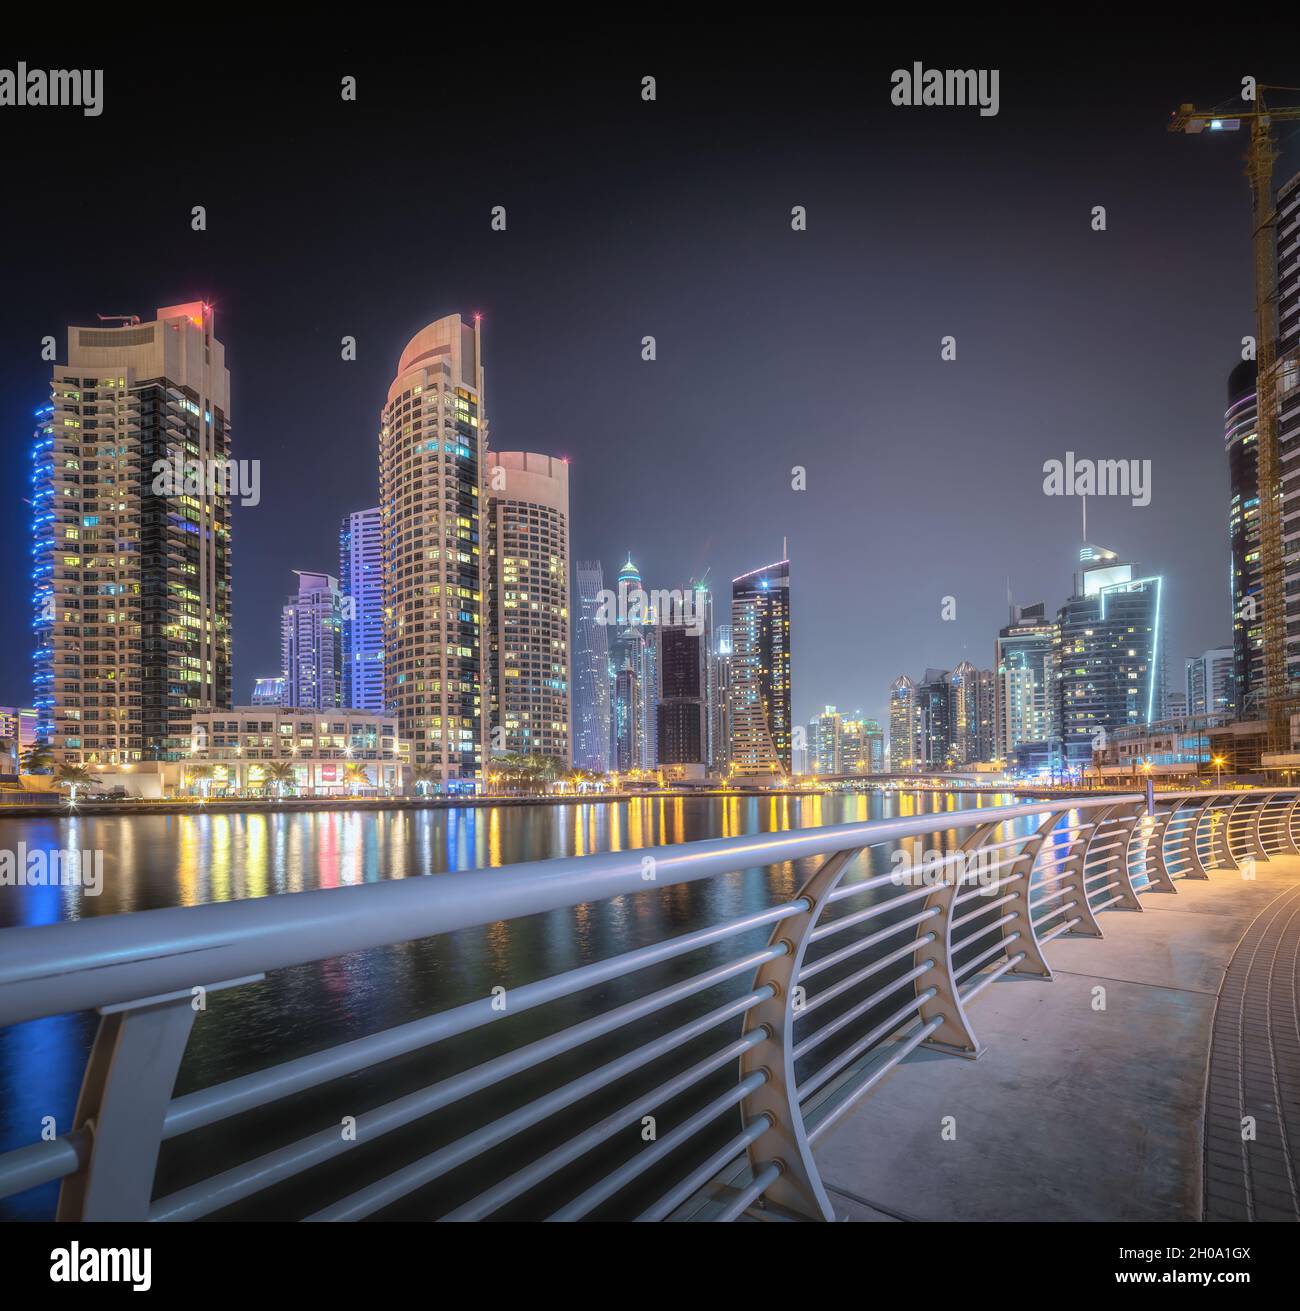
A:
x: 40, y: 1162
x: 858, y: 976
x: 974, y: 989
x: 215, y: 1103
x: 959, y: 943
x: 1098, y: 909
x: 1055, y: 878
x: 51, y: 969
x: 729, y: 1152
x: 614, y: 1182
x: 885, y: 1027
x: 902, y: 1050
x: 492, y: 1199
x: 1061, y: 928
x: 251, y: 1177
x: 746, y: 1198
x: 976, y: 961
x: 988, y: 888
x: 811, y: 969
x: 1101, y: 874
x: 858, y: 886
x: 384, y: 1192
x: 832, y: 1027
x: 1095, y: 853
x: 983, y: 910
x: 1052, y: 914
x: 829, y: 927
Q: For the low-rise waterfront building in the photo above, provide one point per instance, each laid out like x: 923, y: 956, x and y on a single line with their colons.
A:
x: 233, y: 751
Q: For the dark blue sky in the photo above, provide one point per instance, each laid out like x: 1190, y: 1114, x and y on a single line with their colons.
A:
x: 672, y: 219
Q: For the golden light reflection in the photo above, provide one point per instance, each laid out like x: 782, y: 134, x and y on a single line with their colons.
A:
x: 494, y: 836
x: 257, y: 862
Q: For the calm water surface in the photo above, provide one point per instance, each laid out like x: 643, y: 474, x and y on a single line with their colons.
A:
x: 155, y: 861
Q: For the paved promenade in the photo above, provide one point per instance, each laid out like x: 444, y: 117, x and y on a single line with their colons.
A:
x: 1116, y: 1091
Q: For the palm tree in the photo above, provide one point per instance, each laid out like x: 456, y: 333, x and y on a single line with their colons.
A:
x: 38, y: 758
x: 73, y: 777
x: 357, y: 776
x: 425, y: 776
x: 202, y: 775
x: 543, y: 770
x: 279, y: 772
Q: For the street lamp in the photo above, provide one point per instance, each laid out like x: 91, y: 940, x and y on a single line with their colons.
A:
x: 1218, y: 763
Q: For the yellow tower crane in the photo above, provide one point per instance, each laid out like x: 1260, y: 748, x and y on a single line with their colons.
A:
x: 1261, y: 154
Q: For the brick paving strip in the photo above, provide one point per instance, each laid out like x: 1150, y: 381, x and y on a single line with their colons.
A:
x: 1255, y: 1071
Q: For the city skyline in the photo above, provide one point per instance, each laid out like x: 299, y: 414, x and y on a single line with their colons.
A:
x: 682, y: 622
x: 699, y: 422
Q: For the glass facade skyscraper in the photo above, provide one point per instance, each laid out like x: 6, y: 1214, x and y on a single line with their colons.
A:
x: 1108, y: 656
x: 361, y: 579
x: 1244, y: 584
x: 761, y: 729
x: 591, y: 673
x: 1024, y: 680
x: 311, y: 644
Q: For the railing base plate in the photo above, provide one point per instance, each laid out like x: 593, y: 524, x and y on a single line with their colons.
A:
x: 948, y: 1049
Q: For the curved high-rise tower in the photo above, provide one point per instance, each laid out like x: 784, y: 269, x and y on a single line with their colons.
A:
x: 432, y: 446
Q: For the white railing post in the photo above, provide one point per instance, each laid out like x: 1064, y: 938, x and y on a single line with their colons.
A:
x: 954, y: 1033
x: 1161, y: 880
x: 1021, y: 928
x: 123, y: 1102
x: 1074, y: 892
x: 1204, y: 808
x: 1224, y: 855
x: 798, y: 1188
x: 1289, y: 844
x: 1257, y: 843
x: 1128, y: 898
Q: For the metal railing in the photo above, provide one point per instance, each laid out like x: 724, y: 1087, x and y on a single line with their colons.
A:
x: 699, y: 1096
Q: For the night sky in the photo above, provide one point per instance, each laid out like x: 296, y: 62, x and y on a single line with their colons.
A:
x: 625, y: 219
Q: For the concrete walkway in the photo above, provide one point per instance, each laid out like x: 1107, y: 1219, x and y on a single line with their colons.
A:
x: 1090, y: 1102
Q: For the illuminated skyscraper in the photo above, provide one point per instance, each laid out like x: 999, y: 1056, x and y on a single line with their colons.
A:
x: 311, y: 644
x: 682, y: 713
x: 432, y: 445
x: 361, y: 578
x: 1287, y: 405
x: 986, y: 700
x: 528, y: 603
x: 1245, y: 583
x: 935, y: 719
x: 268, y: 691
x: 965, y: 711
x: 722, y: 698
x: 131, y: 521
x: 627, y: 720
x: 591, y: 676
x: 904, y: 732
x: 1108, y: 658
x: 760, y: 700
x: 825, y: 745
x: 1023, y: 674
x: 1211, y: 687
